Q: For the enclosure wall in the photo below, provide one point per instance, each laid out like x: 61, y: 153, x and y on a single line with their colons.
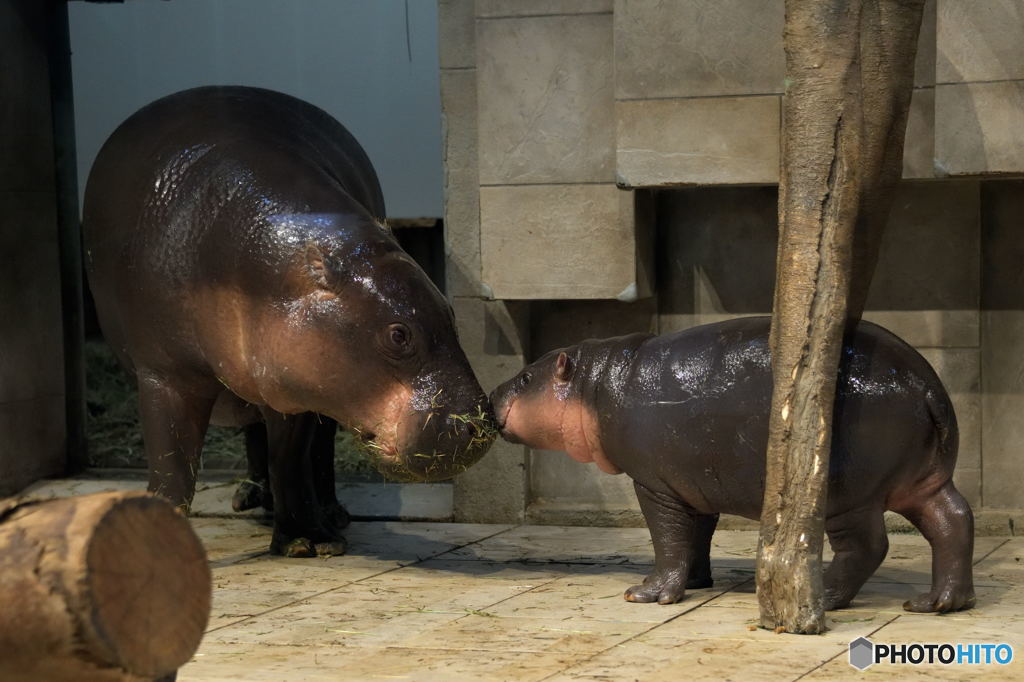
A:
x: 550, y: 106
x: 32, y: 404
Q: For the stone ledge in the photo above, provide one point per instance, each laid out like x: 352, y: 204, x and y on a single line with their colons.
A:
x: 364, y: 501
x: 977, y: 128
x: 726, y: 47
x: 501, y: 9
x: 979, y: 41
x: 561, y: 241
x: 722, y: 140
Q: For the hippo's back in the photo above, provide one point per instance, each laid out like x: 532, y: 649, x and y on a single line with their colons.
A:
x: 701, y: 398
x: 160, y: 143
x: 199, y: 192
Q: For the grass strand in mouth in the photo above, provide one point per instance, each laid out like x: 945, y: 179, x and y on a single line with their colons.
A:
x: 442, y: 463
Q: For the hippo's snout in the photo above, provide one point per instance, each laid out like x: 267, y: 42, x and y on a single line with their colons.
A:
x: 502, y: 398
x: 438, y: 442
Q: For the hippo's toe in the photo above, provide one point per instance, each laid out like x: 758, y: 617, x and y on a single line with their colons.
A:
x: 834, y: 599
x: 297, y: 548
x: 332, y: 548
x: 949, y: 598
x: 315, y: 542
x: 663, y: 587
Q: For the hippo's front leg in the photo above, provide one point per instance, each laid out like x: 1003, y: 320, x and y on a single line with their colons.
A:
x: 299, y: 528
x: 322, y: 453
x: 255, y: 490
x: 673, y: 526
x: 174, y: 420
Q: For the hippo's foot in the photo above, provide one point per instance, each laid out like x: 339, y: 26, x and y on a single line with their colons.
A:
x: 251, y: 494
x: 303, y: 547
x: 664, y: 587
x: 942, y: 600
x: 834, y: 599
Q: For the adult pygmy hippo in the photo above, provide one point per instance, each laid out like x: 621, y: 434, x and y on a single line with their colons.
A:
x: 236, y: 251
x: 685, y: 415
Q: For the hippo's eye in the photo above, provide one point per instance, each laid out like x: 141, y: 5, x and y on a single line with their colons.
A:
x: 525, y: 379
x: 397, y: 336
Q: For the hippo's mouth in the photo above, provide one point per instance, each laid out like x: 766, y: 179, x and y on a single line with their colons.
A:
x: 501, y: 420
x: 375, y: 448
x: 365, y: 438
x: 436, y: 448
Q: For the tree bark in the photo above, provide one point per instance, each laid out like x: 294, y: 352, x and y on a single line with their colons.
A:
x: 850, y: 69
x: 113, y: 586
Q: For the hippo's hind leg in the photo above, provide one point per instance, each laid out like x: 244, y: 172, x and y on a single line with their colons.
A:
x: 254, y: 491
x: 673, y: 530
x: 860, y: 544
x: 174, y: 421
x: 299, y: 527
x: 700, y: 566
x: 322, y: 453
x: 946, y: 521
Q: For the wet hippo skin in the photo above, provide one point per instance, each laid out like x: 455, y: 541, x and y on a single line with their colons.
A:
x: 236, y: 249
x: 685, y: 415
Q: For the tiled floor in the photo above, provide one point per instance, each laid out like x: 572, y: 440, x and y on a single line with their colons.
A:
x: 449, y: 602
x: 436, y: 601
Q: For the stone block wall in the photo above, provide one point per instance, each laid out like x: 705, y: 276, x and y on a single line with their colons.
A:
x: 1002, y: 349
x: 678, y: 104
x: 492, y: 332
x: 698, y: 91
x: 979, y: 87
x: 546, y: 153
x: 32, y: 409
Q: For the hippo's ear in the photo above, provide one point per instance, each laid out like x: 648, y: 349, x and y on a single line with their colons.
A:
x: 563, y: 367
x: 319, y: 266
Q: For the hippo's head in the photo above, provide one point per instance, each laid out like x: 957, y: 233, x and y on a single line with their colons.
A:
x: 530, y: 407
x: 370, y: 342
x: 544, y: 406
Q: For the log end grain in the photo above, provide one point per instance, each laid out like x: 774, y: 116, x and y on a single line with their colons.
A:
x: 149, y: 586
x: 112, y: 586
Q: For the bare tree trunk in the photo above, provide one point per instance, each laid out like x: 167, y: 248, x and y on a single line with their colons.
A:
x: 113, y: 586
x: 850, y: 68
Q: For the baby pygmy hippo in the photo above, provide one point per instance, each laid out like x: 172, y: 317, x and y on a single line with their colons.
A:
x: 685, y: 415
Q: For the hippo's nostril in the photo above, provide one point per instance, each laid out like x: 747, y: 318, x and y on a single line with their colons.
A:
x: 366, y: 436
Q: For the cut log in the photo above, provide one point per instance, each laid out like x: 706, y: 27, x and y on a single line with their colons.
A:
x: 112, y: 586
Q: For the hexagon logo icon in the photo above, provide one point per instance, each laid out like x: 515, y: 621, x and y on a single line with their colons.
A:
x: 862, y: 653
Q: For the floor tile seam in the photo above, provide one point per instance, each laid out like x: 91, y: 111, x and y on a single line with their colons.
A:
x: 992, y: 551
x: 553, y: 563
x: 840, y: 653
x: 653, y: 627
x: 224, y: 563
x: 330, y: 648
x: 513, y: 596
x: 774, y: 641
x: 347, y: 583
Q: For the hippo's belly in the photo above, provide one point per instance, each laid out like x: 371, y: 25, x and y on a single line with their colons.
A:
x: 710, y: 447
